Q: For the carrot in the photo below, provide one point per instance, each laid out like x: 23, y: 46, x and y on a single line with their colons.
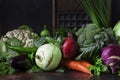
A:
x: 75, y: 65
x: 85, y: 63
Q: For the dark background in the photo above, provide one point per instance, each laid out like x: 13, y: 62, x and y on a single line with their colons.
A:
x: 36, y: 13
x: 115, y: 13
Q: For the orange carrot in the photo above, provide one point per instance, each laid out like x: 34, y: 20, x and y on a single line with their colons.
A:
x: 75, y: 65
x: 85, y: 63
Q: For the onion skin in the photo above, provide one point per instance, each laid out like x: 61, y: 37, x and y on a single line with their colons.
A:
x: 111, y: 57
x: 70, y: 48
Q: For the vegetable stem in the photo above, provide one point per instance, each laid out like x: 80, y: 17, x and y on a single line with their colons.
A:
x: 99, y: 11
x: 23, y: 49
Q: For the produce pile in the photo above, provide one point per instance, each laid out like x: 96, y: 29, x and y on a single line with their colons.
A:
x: 85, y: 50
x: 94, y: 48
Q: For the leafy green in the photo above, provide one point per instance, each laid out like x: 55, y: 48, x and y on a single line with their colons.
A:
x: 5, y: 55
x: 92, y: 39
x: 14, y: 42
x: 5, y: 67
x: 99, y: 11
x: 92, y: 42
x: 42, y: 40
x: 2, y: 47
x: 98, y: 66
x: 62, y: 32
x: 25, y: 27
x: 87, y: 33
x: 10, y: 54
x: 39, y: 41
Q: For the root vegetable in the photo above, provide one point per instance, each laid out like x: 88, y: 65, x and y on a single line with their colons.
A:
x: 76, y: 65
x: 111, y: 57
x: 48, y: 56
x: 70, y: 48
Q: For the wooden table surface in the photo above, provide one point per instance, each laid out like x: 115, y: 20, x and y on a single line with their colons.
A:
x: 70, y: 75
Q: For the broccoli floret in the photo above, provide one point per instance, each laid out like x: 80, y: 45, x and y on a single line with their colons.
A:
x: 92, y: 39
x: 86, y: 34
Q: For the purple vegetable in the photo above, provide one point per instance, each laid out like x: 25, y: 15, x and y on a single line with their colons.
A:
x: 111, y: 57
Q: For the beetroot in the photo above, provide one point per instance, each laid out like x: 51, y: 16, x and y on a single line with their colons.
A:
x: 70, y: 48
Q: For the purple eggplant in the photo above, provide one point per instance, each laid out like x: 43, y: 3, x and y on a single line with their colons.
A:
x: 111, y: 57
x: 21, y: 62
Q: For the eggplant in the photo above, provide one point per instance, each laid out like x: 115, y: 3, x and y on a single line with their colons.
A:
x: 21, y: 62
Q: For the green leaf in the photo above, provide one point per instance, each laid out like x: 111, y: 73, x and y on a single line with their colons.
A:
x: 98, y: 67
x: 14, y: 42
x: 39, y: 41
x: 2, y: 47
x: 99, y: 11
x: 25, y: 27
x: 5, y: 67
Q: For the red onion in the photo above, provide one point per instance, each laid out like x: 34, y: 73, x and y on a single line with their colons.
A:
x: 70, y: 48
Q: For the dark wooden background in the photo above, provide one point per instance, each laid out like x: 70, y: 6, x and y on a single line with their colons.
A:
x: 36, y: 13
x: 115, y: 13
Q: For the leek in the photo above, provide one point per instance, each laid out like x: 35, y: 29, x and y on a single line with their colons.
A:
x: 98, y: 10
